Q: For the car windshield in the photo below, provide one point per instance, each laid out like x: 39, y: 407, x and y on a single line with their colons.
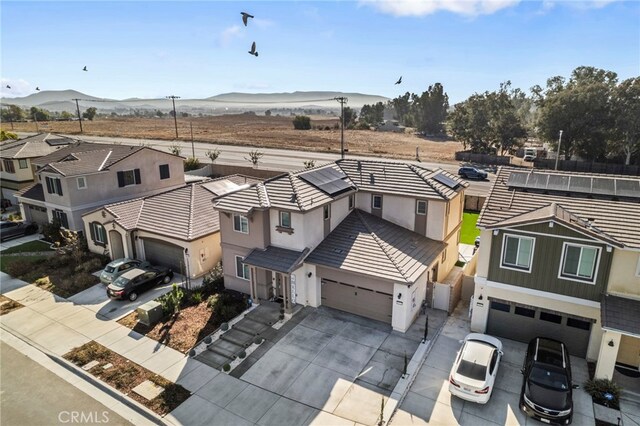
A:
x: 109, y: 269
x: 121, y: 282
x: 548, y: 378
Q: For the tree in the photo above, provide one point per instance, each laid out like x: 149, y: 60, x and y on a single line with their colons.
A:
x: 213, y: 154
x: 581, y: 108
x: 372, y: 114
x: 268, y: 113
x: 12, y: 113
x: 65, y: 115
x: 90, y: 113
x: 402, y: 107
x: 254, y: 157
x: 7, y: 135
x: 350, y: 117
x: 39, y: 114
x: 175, y: 149
x: 430, y: 110
x: 302, y: 122
x: 626, y: 116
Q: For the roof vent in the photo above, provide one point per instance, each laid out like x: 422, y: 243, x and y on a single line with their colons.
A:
x: 372, y: 179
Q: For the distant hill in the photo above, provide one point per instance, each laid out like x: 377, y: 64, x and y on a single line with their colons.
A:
x: 62, y: 100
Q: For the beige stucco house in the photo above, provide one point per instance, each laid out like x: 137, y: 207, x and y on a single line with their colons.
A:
x: 366, y: 237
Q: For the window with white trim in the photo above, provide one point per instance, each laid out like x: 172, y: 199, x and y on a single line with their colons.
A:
x: 54, y: 185
x: 8, y: 166
x: 61, y: 217
x: 421, y: 207
x: 82, y: 182
x: 579, y: 262
x: 242, y: 269
x: 98, y: 233
x: 376, y: 202
x: 22, y: 163
x: 517, y: 252
x: 285, y: 219
x: 352, y: 201
x: 240, y: 223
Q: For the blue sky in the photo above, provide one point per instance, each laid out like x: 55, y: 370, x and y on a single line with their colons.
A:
x: 199, y: 49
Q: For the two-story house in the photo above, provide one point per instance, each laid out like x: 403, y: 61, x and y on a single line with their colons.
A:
x: 84, y: 176
x: 360, y: 236
x: 17, y: 158
x: 559, y: 257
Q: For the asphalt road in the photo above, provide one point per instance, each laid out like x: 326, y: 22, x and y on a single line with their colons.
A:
x: 277, y: 159
x: 32, y: 395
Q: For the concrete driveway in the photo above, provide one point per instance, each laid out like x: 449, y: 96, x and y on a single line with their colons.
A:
x: 330, y: 368
x: 429, y: 401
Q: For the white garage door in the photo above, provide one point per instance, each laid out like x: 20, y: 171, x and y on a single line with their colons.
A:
x: 523, y: 323
x: 163, y: 253
x: 357, y: 300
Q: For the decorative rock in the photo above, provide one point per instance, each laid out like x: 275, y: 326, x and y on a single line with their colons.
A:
x: 207, y: 340
x: 148, y: 390
x: 107, y: 366
x: 88, y: 366
x: 192, y: 353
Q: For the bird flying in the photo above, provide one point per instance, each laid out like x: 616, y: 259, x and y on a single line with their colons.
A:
x: 85, y: 68
x: 245, y: 17
x: 38, y: 89
x: 253, y: 50
x: 399, y: 80
x: 8, y: 87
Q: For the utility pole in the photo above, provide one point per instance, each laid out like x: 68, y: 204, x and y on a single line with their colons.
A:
x: 558, y: 151
x: 342, y: 101
x: 175, y: 117
x: 35, y: 120
x: 79, y: 116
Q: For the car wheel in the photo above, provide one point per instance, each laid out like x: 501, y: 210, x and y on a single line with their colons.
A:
x: 463, y: 176
x: 133, y: 296
x: 166, y: 279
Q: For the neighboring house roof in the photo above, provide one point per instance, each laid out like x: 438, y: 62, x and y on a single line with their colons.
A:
x: 34, y: 146
x: 612, y: 220
x: 292, y: 191
x: 620, y: 314
x: 366, y: 244
x: 33, y: 192
x: 275, y: 258
x: 185, y: 213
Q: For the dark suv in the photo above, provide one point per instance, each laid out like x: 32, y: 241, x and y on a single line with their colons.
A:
x: 546, y: 388
x: 472, y: 173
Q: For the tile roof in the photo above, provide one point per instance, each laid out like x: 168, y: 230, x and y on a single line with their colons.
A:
x: 32, y: 192
x: 366, y: 244
x: 612, y: 220
x: 34, y: 146
x: 620, y: 314
x: 291, y: 192
x: 185, y: 213
x: 275, y: 259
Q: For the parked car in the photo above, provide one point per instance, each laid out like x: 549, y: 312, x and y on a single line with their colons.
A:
x: 474, y: 370
x: 529, y: 157
x: 119, y: 266
x: 138, y: 280
x: 547, y: 390
x: 10, y: 229
x: 472, y: 173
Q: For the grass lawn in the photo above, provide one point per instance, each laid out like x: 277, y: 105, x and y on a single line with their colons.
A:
x: 6, y: 261
x: 469, y: 232
x: 31, y: 246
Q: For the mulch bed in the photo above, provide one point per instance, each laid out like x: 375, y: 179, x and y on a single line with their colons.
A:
x: 8, y: 305
x: 125, y: 375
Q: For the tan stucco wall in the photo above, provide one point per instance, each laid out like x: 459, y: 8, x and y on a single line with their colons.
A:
x: 484, y: 254
x: 21, y: 175
x: 436, y: 220
x: 622, y: 278
x: 258, y: 236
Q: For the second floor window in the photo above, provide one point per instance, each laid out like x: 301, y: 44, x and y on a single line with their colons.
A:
x: 129, y: 177
x: 376, y: 202
x: 326, y: 212
x: 240, y: 223
x: 242, y: 269
x: 164, y: 171
x: 579, y: 262
x: 54, y: 185
x: 285, y: 219
x: 352, y: 201
x: 8, y: 166
x: 23, y: 163
x: 421, y: 207
x: 61, y: 217
x: 82, y: 182
x: 517, y: 252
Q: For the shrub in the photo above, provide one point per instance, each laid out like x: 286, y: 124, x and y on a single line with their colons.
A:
x: 254, y: 157
x: 301, y: 122
x: 58, y: 261
x: 362, y: 126
x: 175, y: 149
x: 191, y: 163
x: 226, y: 367
x: 225, y: 306
x: 213, y: 282
x: 257, y: 340
x: 281, y: 317
x: 171, y: 301
x: 213, y: 154
x: 242, y: 354
x: 51, y: 231
x: 310, y: 164
x: 90, y: 265
x: 598, y: 387
x: 196, y: 297
x: 19, y: 268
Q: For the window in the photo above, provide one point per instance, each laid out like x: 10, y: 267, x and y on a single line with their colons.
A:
x: 285, y: 219
x: 240, y: 223
x: 326, y: 212
x: 517, y: 252
x: 547, y: 316
x: 525, y: 312
x: 242, y: 270
x: 8, y: 166
x: 576, y: 323
x: 421, y: 207
x: 54, y: 185
x: 579, y: 262
x: 23, y: 163
x: 61, y: 217
x: 504, y: 307
x: 164, y: 171
x: 82, y: 182
x: 352, y: 202
x: 98, y: 233
x: 129, y: 177
x: 376, y: 202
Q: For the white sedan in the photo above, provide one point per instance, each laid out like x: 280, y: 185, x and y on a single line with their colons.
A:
x: 475, y: 368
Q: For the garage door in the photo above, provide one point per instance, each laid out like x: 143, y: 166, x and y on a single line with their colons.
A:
x: 357, y: 300
x: 163, y: 253
x: 38, y: 214
x: 523, y: 323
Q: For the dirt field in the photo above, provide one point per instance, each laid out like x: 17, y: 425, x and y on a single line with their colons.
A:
x: 258, y: 131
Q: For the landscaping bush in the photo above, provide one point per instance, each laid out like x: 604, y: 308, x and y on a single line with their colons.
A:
x: 19, y: 268
x: 213, y: 282
x: 191, y: 163
x: 225, y: 306
x: 196, y: 297
x: 56, y: 262
x: 91, y: 265
x: 242, y: 354
x: 257, y: 340
x: 226, y: 367
x: 172, y: 301
x: 598, y: 387
x: 51, y: 231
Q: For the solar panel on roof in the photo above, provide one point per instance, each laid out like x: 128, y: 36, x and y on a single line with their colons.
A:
x: 335, y: 187
x: 558, y: 183
x: 328, y: 180
x: 603, y: 186
x: 580, y: 184
x: 537, y: 181
x: 446, y: 180
x: 517, y: 179
x: 628, y: 188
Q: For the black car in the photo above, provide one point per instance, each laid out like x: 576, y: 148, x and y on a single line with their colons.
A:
x: 10, y: 229
x: 472, y: 173
x: 547, y: 391
x: 137, y: 280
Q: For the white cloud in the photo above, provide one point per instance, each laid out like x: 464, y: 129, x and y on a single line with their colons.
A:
x: 228, y: 34
x: 19, y: 88
x: 427, y: 7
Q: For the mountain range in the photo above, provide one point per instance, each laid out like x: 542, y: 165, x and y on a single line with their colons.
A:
x: 64, y: 100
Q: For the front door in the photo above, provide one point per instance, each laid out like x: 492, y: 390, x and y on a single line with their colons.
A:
x: 117, y: 248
